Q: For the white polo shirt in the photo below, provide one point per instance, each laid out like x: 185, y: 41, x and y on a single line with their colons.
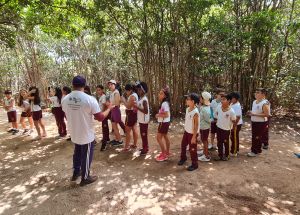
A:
x: 165, y: 107
x: 224, y: 119
x: 80, y: 109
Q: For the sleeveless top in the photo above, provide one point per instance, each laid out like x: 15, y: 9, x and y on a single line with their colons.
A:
x: 257, y: 108
x: 136, y: 99
x: 143, y: 118
x: 189, y: 120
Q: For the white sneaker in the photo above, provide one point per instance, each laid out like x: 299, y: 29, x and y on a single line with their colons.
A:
x: 234, y: 154
x: 200, y: 153
x: 210, y: 146
x: 203, y: 158
x: 251, y: 154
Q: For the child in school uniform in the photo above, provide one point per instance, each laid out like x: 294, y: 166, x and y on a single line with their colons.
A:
x: 235, y: 132
x: 55, y: 99
x: 102, y: 99
x: 115, y: 100
x: 163, y: 118
x: 9, y: 106
x: 205, y: 123
x: 191, y: 127
x: 143, y: 115
x: 215, y: 103
x: 26, y: 112
x: 259, y: 121
x: 36, y: 110
x: 131, y: 116
x: 226, y: 119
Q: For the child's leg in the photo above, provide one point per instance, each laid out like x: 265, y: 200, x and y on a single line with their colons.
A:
x: 239, y: 127
x: 193, y: 151
x: 226, y: 142
x: 128, y: 136
x: 122, y: 125
x: 159, y: 140
x: 116, y: 131
x: 22, y: 122
x: 184, y: 143
x: 30, y: 120
x: 77, y: 159
x: 265, y: 135
x: 37, y: 127
x: 135, y: 134
x: 167, y: 140
x: 213, y: 132
x: 105, y: 130
x: 220, y: 141
x: 15, y: 125
x: 256, y: 137
x: 233, y: 139
x: 144, y: 135
x: 41, y: 123
x: 204, y: 139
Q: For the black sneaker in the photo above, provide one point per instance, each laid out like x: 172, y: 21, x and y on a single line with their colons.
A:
x: 181, y: 162
x: 75, y: 176
x: 116, y: 143
x: 89, y: 180
x: 103, y: 146
x: 143, y: 152
x: 15, y: 132
x: 25, y: 131
x: 69, y: 139
x: 192, y: 168
x: 11, y: 130
x: 265, y: 147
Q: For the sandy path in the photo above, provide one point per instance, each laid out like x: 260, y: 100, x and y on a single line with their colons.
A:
x: 35, y: 178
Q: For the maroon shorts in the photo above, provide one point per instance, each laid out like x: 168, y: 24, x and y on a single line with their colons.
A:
x: 26, y: 114
x: 131, y: 118
x: 115, y: 114
x: 37, y: 115
x: 12, y: 116
x: 213, y: 128
x: 163, y: 127
x: 204, y: 134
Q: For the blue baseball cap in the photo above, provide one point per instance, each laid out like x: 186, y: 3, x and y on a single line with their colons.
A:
x: 79, y: 81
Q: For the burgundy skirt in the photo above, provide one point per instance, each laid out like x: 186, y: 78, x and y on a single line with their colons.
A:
x: 12, y: 116
x: 131, y: 118
x: 37, y: 115
x: 163, y: 127
x: 115, y: 114
x: 26, y: 114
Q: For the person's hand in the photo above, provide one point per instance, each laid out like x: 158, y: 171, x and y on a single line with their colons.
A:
x: 157, y: 116
x: 249, y: 113
x: 193, y: 141
x: 135, y: 104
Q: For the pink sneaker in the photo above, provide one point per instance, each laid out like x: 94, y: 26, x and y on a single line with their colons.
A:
x: 168, y: 154
x: 161, y: 157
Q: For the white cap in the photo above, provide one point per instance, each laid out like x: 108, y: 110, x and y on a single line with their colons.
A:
x: 112, y: 82
x: 206, y: 97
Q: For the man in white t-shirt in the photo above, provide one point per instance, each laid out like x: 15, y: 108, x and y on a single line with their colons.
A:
x: 81, y: 109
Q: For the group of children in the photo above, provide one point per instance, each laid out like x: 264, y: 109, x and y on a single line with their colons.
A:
x: 220, y: 117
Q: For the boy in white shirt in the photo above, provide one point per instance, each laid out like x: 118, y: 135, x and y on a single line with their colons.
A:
x: 226, y: 119
x: 9, y: 106
x: 81, y: 109
x: 259, y: 120
x: 234, y: 136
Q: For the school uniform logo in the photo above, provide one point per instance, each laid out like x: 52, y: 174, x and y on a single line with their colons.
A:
x: 75, y: 100
x: 227, y: 115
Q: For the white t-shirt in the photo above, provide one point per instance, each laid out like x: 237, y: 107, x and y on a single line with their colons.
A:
x: 112, y: 97
x: 9, y: 102
x: 80, y: 109
x: 165, y: 107
x: 143, y: 118
x: 54, y: 101
x: 224, y: 119
x: 257, y: 108
x: 101, y: 102
x: 136, y: 98
x: 34, y: 107
x: 25, y: 105
x: 189, y: 120
x: 238, y: 112
x: 214, y: 105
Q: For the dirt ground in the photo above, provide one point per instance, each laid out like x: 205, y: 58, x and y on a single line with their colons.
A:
x: 34, y: 177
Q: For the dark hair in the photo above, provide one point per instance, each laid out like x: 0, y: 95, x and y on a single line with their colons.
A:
x: 227, y: 96
x: 194, y: 97
x: 87, y: 90
x: 67, y: 89
x: 167, y: 96
x: 58, y: 93
x: 36, y: 95
x: 7, y: 92
x: 262, y: 90
x: 118, y: 87
x: 235, y: 95
x: 100, y: 87
x: 142, y: 85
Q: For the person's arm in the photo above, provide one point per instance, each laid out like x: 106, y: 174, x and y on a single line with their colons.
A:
x: 12, y: 103
x: 195, y: 128
x: 163, y: 114
x: 265, y: 113
x: 117, y: 99
x: 145, y: 106
x: 100, y: 116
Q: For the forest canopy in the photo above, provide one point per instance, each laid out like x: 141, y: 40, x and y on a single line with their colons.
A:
x: 189, y: 45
